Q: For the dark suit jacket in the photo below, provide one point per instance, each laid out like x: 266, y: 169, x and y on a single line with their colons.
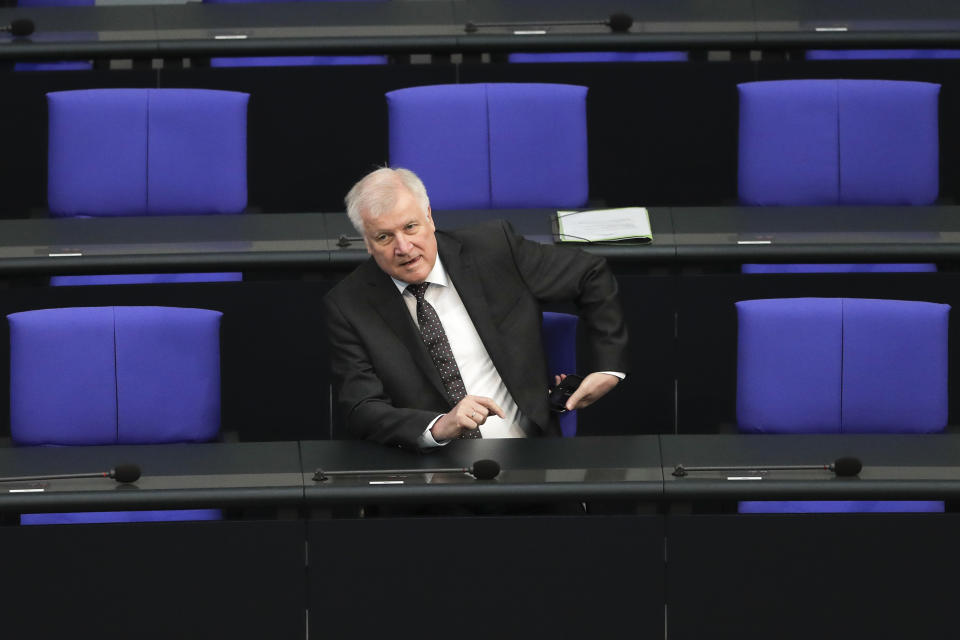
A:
x: 389, y: 388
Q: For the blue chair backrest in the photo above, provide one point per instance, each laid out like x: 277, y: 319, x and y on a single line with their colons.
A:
x: 123, y: 152
x: 841, y: 365
x: 113, y: 372
x: 493, y: 146
x: 128, y: 152
x: 560, y: 345
x: 830, y: 142
x: 114, y: 375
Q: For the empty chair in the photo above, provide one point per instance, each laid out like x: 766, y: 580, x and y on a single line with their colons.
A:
x: 114, y: 375
x: 834, y: 142
x: 560, y: 346
x: 146, y: 152
x: 841, y: 365
x: 838, y: 142
x: 493, y: 146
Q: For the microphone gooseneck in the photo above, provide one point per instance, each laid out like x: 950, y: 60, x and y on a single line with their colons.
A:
x: 481, y: 470
x: 123, y: 473
x: 843, y: 467
x: 617, y: 22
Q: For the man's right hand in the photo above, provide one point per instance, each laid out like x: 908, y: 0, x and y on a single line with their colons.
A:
x: 469, y: 413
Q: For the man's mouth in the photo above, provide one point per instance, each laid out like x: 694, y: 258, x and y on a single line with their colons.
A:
x: 409, y: 262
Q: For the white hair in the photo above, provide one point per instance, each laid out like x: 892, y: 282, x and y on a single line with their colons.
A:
x: 377, y: 193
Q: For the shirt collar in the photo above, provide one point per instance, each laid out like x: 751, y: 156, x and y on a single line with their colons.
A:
x: 437, y: 275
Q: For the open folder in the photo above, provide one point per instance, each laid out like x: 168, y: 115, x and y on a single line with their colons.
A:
x: 628, y: 224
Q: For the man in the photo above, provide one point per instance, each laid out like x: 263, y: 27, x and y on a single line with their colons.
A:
x: 438, y: 335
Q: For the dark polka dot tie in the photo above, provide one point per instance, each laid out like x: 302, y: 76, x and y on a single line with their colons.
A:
x: 439, y: 347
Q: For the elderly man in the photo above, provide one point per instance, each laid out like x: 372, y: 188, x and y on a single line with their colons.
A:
x: 438, y: 335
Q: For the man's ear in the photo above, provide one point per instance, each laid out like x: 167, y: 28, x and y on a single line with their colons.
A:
x: 366, y: 244
x: 430, y: 218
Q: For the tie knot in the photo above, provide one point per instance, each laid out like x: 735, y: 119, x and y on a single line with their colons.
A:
x: 418, y: 290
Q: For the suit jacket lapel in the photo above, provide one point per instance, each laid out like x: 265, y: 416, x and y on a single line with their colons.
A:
x: 467, y: 280
x: 384, y: 297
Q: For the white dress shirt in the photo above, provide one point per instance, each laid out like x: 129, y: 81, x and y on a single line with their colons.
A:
x: 480, y: 376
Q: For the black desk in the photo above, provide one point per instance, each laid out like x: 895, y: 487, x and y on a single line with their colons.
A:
x: 238, y: 578
x: 719, y: 574
x: 552, y: 575
x: 793, y: 576
x: 327, y: 241
x: 431, y: 26
x: 538, y: 470
x: 906, y: 467
x: 816, y: 234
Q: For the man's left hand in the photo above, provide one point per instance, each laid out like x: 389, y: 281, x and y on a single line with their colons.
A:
x: 593, y: 387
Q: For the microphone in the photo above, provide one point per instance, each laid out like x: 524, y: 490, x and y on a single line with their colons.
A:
x: 843, y: 467
x: 618, y: 23
x: 481, y: 470
x: 122, y: 473
x: 19, y: 27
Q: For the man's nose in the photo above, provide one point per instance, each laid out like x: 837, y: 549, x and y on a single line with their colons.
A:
x: 403, y: 245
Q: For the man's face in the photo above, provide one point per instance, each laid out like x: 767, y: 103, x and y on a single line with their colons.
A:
x: 402, y: 241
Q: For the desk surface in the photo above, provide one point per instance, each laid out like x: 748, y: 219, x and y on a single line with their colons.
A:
x: 894, y: 466
x: 181, y: 475
x: 633, y: 468
x: 429, y: 26
x: 310, y: 240
x: 838, y: 234
x: 531, y: 470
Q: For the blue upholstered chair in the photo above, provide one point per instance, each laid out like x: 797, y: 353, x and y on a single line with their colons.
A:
x: 114, y: 375
x: 493, y: 146
x: 841, y: 365
x: 146, y: 152
x: 293, y: 61
x: 838, y: 142
x: 560, y: 345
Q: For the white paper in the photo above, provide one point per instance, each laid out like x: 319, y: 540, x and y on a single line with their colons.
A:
x: 604, y: 225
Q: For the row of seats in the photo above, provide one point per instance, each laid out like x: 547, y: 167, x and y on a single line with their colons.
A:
x: 492, y: 146
x: 136, y: 375
x: 496, y: 146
